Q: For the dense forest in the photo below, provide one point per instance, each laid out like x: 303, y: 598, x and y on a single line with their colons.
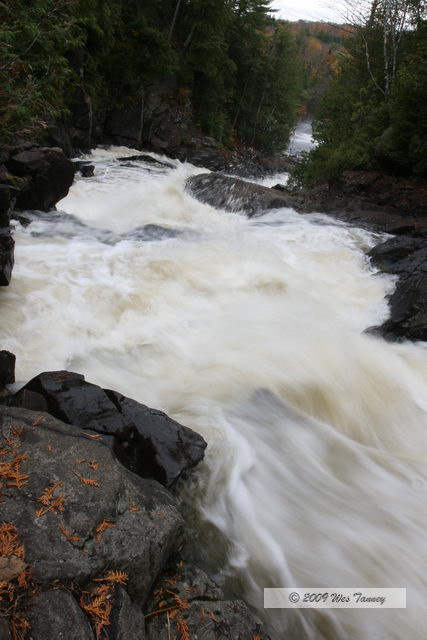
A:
x: 229, y: 61
x: 374, y: 114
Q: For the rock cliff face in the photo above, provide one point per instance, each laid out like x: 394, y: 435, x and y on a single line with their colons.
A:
x: 31, y: 177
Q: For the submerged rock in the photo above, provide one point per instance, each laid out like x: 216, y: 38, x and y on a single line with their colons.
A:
x: 145, y: 440
x: 148, y: 159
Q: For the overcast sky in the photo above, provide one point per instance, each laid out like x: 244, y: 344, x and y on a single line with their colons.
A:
x: 306, y: 10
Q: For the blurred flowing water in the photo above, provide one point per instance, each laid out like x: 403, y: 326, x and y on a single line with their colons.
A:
x: 251, y: 332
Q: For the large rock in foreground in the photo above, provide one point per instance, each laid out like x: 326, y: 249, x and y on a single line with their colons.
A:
x: 86, y: 546
x: 82, y: 520
x: 145, y: 440
x: 232, y: 194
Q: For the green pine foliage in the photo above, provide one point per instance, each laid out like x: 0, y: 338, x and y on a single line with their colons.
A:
x: 34, y: 39
x: 236, y: 62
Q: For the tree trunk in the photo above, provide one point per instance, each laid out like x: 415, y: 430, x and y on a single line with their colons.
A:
x: 175, y: 16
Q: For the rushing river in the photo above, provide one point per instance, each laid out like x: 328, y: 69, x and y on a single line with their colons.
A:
x: 252, y: 333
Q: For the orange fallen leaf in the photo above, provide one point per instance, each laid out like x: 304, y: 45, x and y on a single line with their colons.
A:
x: 119, y: 577
x: 105, y: 524
x: 89, y: 481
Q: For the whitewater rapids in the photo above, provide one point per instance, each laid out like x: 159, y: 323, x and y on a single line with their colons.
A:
x: 251, y: 332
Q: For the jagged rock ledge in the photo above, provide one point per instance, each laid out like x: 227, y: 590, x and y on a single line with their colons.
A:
x: 90, y: 532
x: 31, y: 177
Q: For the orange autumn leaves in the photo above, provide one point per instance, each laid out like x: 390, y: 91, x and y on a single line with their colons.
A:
x: 11, y: 460
x: 98, y: 603
x: 15, y: 575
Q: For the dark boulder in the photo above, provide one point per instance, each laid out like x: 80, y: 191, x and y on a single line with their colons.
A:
x: 7, y: 246
x: 205, y: 615
x: 232, y: 194
x: 87, y: 170
x: 161, y: 448
x: 279, y: 187
x: 406, y: 257
x: 7, y: 368
x: 27, y: 163
x: 56, y: 615
x: 5, y: 204
x: 96, y: 516
x: 401, y: 254
x: 408, y: 307
x: 47, y: 176
x: 145, y: 440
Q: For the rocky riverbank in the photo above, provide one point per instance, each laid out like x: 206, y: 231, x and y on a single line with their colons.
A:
x: 370, y: 200
x: 91, y: 528
x: 31, y: 177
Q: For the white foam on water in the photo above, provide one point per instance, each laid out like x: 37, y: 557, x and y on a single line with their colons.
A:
x: 251, y: 333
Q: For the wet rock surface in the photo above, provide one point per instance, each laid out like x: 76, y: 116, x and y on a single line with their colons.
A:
x: 350, y: 203
x: 197, y: 607
x: 407, y: 258
x: 31, y: 177
x: 43, y: 175
x: 148, y: 159
x: 7, y: 368
x: 145, y: 440
x: 7, y: 256
x: 233, y: 194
